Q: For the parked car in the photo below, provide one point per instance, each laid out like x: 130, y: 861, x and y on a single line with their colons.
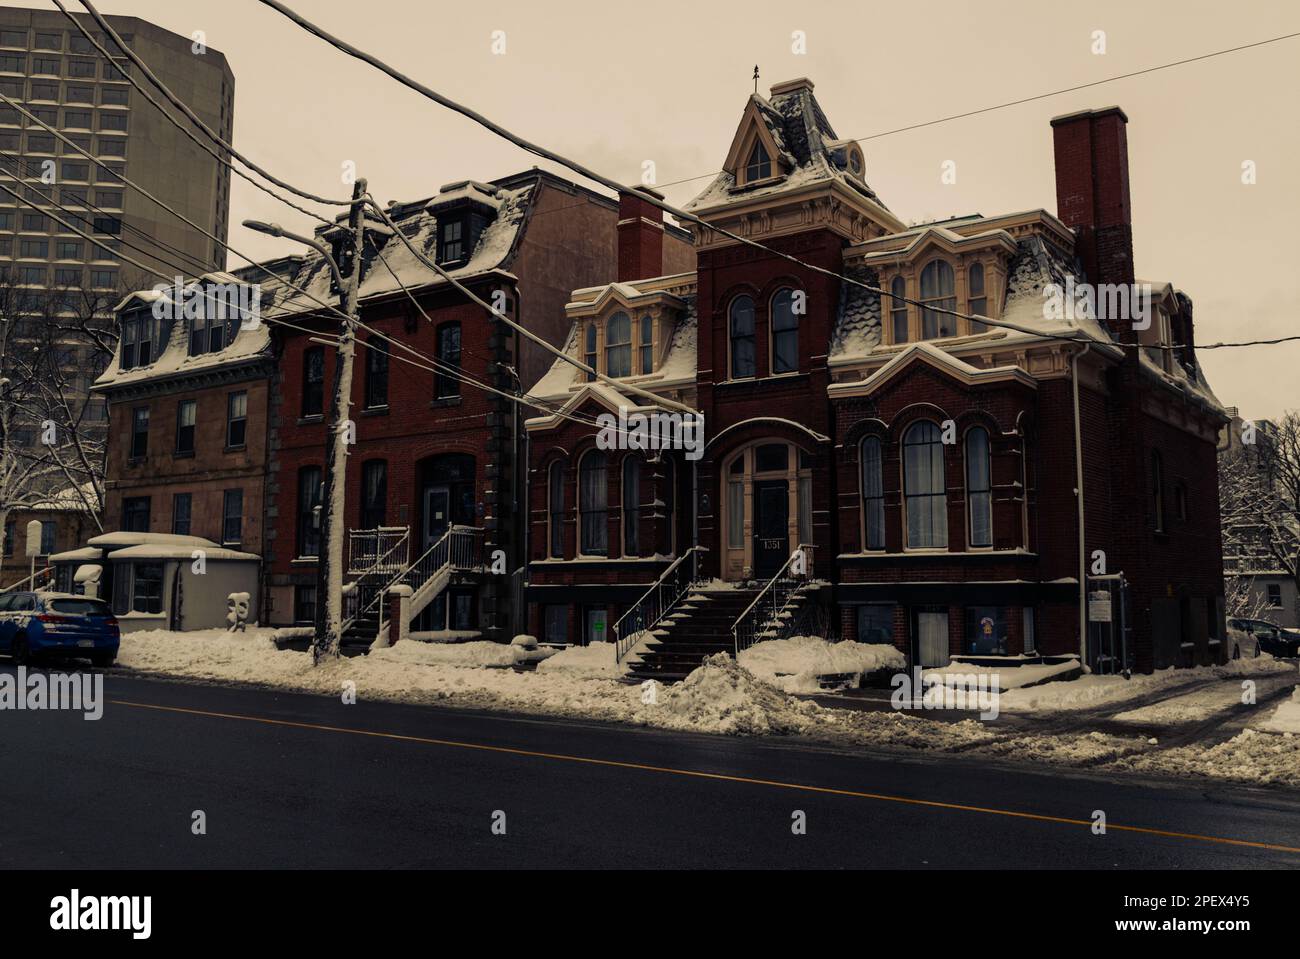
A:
x: 57, y: 625
x: 1251, y: 637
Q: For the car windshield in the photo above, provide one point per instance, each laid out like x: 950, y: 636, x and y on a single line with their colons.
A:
x: 78, y: 607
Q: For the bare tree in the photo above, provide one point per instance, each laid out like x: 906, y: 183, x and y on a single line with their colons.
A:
x: 1259, y: 489
x: 53, y: 435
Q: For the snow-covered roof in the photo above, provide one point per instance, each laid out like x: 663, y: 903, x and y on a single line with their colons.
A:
x: 928, y: 352
x: 563, y: 379
x: 71, y: 498
x: 806, y: 143
x: 417, y: 223
x: 120, y: 539
x: 164, y: 551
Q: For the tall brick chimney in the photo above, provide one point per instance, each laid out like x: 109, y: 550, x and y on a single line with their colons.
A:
x: 1092, y: 194
x: 640, y: 235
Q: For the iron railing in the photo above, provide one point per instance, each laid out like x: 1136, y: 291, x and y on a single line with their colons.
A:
x: 461, y: 547
x: 657, y: 601
x: 22, y: 585
x: 762, y: 617
x: 383, y: 549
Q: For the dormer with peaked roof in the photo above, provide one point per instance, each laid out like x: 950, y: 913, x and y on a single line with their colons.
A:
x: 787, y: 171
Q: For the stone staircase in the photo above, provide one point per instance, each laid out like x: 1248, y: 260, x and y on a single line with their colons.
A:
x: 698, y: 627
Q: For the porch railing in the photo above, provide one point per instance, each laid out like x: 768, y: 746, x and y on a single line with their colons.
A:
x: 384, y: 549
x: 461, y: 547
x: 763, y: 615
x: 658, y: 601
x: 32, y: 583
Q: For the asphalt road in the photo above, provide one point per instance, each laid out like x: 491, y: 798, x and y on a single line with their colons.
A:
x: 292, y: 780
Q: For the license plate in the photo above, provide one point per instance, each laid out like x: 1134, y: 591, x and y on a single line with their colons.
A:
x: 86, y: 643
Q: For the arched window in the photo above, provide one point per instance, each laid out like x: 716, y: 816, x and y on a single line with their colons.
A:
x: 938, y: 289
x: 898, y: 309
x: 759, y: 164
x: 741, y: 324
x: 979, y: 485
x: 631, y: 506
x: 618, y: 345
x: 593, y: 489
x: 446, y: 382
x: 785, y: 333
x: 555, y: 510
x: 979, y: 301
x: 589, y: 353
x: 923, y: 487
x: 873, y: 493
x: 376, y: 374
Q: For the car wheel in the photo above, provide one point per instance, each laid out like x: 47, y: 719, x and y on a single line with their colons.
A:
x: 102, y: 660
x: 19, y: 652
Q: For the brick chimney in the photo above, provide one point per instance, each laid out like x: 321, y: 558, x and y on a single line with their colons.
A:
x: 640, y: 235
x: 1092, y: 193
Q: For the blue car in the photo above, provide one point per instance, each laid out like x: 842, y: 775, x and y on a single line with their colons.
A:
x: 47, y: 625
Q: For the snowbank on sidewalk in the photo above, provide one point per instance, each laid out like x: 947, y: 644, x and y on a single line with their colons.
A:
x: 590, y: 662
x: 1088, y: 692
x: 1286, y: 718
x: 794, y: 664
x: 475, y: 655
x: 1006, y: 677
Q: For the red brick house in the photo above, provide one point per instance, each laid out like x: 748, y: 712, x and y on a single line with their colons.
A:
x: 434, y: 455
x: 928, y: 460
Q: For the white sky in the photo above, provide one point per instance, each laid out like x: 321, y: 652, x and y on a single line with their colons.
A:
x: 614, y: 84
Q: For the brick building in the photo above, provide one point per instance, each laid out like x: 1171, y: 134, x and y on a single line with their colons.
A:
x: 187, y: 402
x: 928, y: 460
x: 433, y: 453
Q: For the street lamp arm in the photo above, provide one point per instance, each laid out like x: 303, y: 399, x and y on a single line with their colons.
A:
x: 274, y: 229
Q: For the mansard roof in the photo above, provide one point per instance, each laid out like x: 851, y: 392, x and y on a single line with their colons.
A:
x: 807, y: 148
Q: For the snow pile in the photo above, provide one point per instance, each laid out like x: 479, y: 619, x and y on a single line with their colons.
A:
x: 1092, y: 691
x: 479, y: 655
x: 1286, y: 718
x: 589, y: 662
x: 1002, y: 678
x: 1251, y: 756
x: 722, y: 697
x: 794, y: 664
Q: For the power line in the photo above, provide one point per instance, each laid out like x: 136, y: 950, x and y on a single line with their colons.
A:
x: 1024, y: 100
x: 610, y: 184
x: 180, y: 105
x: 176, y: 123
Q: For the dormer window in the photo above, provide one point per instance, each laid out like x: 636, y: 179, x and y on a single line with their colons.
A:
x: 589, y: 353
x: 759, y: 164
x: 938, y: 289
x: 978, y: 299
x: 898, y: 309
x: 618, y: 345
x: 647, y: 344
x: 451, y: 241
x: 143, y: 338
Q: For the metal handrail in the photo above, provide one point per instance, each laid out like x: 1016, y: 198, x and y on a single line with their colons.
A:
x: 651, y: 607
x: 399, y: 536
x: 462, y: 546
x: 778, y: 592
x: 18, y: 586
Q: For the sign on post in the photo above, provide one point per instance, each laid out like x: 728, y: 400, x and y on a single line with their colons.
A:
x: 34, y: 539
x: 1099, y: 606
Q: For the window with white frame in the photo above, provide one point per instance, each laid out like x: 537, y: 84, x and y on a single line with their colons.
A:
x: 923, y: 487
x: 618, y: 345
x: 938, y: 292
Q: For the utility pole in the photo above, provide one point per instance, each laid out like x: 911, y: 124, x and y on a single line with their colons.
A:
x: 329, y: 574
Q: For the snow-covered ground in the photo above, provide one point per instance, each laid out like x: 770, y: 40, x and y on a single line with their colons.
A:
x: 726, y: 697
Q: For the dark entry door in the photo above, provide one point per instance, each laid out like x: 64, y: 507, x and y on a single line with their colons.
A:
x: 771, y: 526
x: 437, y: 513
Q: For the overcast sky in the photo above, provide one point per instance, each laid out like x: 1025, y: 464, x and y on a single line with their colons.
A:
x: 615, y: 84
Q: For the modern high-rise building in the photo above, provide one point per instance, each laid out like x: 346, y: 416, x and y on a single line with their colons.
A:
x: 48, y: 65
x: 55, y: 283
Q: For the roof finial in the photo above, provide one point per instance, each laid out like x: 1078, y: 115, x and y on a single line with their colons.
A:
x: 756, y: 79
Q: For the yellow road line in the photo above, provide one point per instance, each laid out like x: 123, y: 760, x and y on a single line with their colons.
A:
x: 722, y: 777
